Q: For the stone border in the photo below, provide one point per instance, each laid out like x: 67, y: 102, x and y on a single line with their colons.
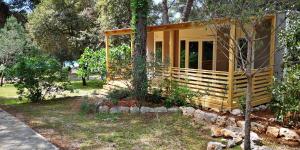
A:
x: 135, y: 109
x: 228, y: 127
x: 222, y: 126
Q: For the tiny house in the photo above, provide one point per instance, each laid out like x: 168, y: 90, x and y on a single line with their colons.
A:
x: 202, y: 56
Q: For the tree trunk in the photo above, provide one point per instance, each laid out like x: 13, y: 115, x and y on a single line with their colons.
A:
x: 247, y: 141
x: 187, y: 11
x: 165, y: 14
x: 2, y: 78
x: 83, y: 81
x: 139, y: 26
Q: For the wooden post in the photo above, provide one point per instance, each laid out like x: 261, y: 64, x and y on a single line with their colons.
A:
x: 272, y: 47
x: 107, y: 56
x: 171, y: 52
x: 231, y: 63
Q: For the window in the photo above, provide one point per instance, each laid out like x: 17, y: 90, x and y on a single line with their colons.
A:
x: 207, y: 55
x: 193, y: 54
x: 242, y: 51
x: 158, y: 51
x: 182, y: 54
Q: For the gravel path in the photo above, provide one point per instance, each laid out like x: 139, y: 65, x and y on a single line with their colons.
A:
x: 15, y: 135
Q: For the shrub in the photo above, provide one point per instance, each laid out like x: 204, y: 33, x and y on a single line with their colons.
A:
x: 242, y: 103
x: 86, y: 107
x: 286, y: 94
x: 156, y: 96
x: 38, y: 77
x: 119, y: 93
x: 179, y: 96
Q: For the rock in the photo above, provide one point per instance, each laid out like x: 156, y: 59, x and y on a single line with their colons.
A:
x: 231, y: 122
x: 146, y: 109
x: 212, y: 117
x: 160, y: 109
x: 233, y: 142
x: 255, y: 109
x: 256, y: 147
x: 236, y: 112
x: 221, y: 121
x: 231, y: 132
x: 134, y: 110
x: 103, y: 109
x: 255, y: 138
x: 257, y: 127
x: 124, y: 109
x: 241, y: 124
x: 200, y: 116
x: 216, y: 131
x: 238, y: 140
x: 288, y: 134
x: 187, y: 111
x: 114, y: 110
x: 173, y: 109
x: 272, y: 131
x: 230, y: 143
x: 262, y: 107
x: 215, y: 146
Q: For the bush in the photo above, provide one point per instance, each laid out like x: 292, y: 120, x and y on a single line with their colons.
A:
x: 117, y: 94
x: 38, y: 77
x: 242, y: 103
x: 156, y: 96
x: 179, y: 96
x: 86, y: 107
x: 286, y: 94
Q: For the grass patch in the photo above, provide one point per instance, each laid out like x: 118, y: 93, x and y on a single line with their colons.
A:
x: 8, y: 95
x: 91, y: 85
x: 123, y: 131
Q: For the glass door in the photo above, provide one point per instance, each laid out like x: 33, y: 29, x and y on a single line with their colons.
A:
x: 207, y: 55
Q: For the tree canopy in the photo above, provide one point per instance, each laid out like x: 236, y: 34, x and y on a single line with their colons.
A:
x: 63, y: 27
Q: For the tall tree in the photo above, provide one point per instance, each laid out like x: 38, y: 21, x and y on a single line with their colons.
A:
x: 165, y: 13
x: 140, y: 11
x: 187, y: 10
x: 249, y: 16
x: 12, y: 31
x: 4, y: 13
x: 64, y: 28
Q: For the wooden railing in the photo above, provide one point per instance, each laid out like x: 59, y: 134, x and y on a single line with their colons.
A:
x: 213, y: 86
x: 261, y: 83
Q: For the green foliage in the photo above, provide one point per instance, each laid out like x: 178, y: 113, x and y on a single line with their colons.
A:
x: 117, y: 94
x: 13, y: 43
x: 286, y: 94
x: 242, y: 103
x: 156, y: 95
x: 139, y: 11
x: 38, y: 77
x: 120, y: 60
x: 86, y: 107
x: 286, y: 91
x: 63, y: 28
x: 290, y: 39
x: 179, y: 95
x: 91, y: 62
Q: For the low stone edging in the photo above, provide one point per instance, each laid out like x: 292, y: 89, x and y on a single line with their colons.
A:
x: 223, y: 126
x: 135, y: 109
x: 233, y: 130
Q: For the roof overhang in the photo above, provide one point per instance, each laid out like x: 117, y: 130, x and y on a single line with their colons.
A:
x: 177, y: 26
